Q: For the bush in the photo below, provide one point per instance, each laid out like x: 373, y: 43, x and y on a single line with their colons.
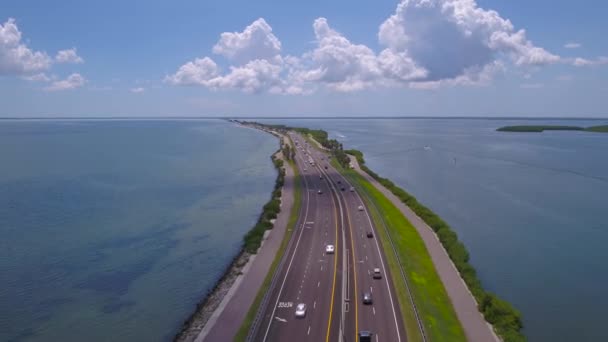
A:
x: 253, y: 238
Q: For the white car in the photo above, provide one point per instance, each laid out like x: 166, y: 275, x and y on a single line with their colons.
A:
x: 360, y: 208
x: 301, y: 310
x: 377, y: 274
x: 352, y: 189
x: 330, y: 249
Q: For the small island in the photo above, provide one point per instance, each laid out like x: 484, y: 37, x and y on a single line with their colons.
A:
x: 542, y: 128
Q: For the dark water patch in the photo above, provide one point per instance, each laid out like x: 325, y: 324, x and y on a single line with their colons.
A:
x: 22, y: 335
x: 116, y: 282
x: 115, y: 306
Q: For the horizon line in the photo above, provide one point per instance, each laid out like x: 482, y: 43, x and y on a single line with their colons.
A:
x: 299, y: 117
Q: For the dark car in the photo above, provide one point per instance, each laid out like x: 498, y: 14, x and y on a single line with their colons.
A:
x: 342, y: 188
x: 367, y: 298
x: 370, y: 234
x: 325, y: 167
x: 339, y: 182
x: 365, y: 336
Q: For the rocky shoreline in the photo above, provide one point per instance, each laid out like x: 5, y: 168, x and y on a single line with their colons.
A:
x: 211, y: 301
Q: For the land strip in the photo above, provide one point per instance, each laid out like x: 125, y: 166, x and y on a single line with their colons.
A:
x: 542, y: 128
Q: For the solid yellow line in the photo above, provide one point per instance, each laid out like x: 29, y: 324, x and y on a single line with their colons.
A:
x: 350, y: 228
x: 333, y: 287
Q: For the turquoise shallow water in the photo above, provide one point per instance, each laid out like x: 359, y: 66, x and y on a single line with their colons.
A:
x: 113, y: 230
x: 531, y: 208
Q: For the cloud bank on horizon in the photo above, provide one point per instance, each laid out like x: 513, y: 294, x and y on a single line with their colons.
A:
x: 17, y: 59
x: 425, y: 44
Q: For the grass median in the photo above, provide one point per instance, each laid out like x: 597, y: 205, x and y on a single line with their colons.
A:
x: 241, y: 335
x: 434, y: 306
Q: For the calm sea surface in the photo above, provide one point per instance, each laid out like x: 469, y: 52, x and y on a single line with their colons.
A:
x: 531, y: 208
x: 113, y: 230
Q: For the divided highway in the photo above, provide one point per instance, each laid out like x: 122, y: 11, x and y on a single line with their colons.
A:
x: 331, y: 285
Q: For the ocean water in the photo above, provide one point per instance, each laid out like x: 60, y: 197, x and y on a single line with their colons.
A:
x: 114, y: 230
x: 529, y: 207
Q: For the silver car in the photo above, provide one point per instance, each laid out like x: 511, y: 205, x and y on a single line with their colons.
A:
x: 301, y: 310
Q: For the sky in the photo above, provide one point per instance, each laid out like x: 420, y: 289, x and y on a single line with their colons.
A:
x: 143, y: 58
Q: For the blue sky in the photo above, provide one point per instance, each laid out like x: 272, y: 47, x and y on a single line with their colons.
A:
x: 313, y: 58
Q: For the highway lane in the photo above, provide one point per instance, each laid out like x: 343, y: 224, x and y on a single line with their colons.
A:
x: 309, y: 275
x: 330, y: 285
x: 383, y: 316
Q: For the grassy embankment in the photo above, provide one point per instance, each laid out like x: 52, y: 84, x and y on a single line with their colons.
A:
x: 437, y: 315
x: 542, y: 128
x: 505, y: 319
x: 293, y: 217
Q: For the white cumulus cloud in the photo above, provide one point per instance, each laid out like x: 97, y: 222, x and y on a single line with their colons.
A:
x: 71, y: 82
x: 68, y: 56
x: 16, y: 58
x: 425, y: 44
x: 40, y: 77
x: 197, y: 72
x: 572, y: 45
x: 582, y: 62
x: 453, y: 38
x: 255, y: 42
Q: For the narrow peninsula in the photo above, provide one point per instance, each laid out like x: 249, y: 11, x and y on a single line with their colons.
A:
x: 542, y: 128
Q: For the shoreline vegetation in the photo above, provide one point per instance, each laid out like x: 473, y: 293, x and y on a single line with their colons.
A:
x: 542, y: 128
x: 251, y: 243
x: 505, y: 319
x: 244, y: 329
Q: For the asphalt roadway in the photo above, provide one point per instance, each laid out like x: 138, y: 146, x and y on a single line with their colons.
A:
x: 331, y: 285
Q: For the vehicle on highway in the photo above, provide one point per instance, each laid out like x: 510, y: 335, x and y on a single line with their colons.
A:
x: 377, y: 274
x: 360, y: 208
x: 320, y: 191
x: 365, y: 336
x: 330, y: 249
x: 339, y: 182
x: 369, y: 234
x: 352, y: 189
x: 301, y: 310
x: 367, y: 298
x: 325, y: 167
x: 320, y: 177
x: 342, y: 188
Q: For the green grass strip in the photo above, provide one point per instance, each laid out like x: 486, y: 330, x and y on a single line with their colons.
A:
x: 434, y: 306
x: 241, y: 335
